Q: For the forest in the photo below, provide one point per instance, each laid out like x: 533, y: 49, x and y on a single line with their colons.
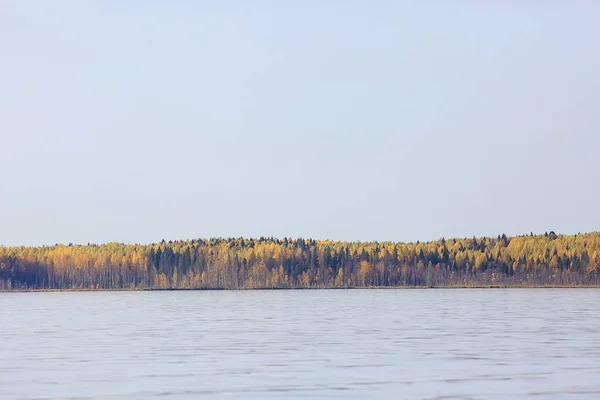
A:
x: 268, y: 263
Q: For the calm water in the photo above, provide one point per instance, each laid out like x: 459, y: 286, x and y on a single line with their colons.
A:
x: 413, y: 344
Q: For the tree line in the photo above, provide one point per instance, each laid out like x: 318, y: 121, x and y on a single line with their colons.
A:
x: 240, y: 263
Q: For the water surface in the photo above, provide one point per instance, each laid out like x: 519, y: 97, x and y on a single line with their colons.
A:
x: 401, y: 344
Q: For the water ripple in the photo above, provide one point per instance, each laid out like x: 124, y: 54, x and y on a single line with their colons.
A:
x: 413, y: 344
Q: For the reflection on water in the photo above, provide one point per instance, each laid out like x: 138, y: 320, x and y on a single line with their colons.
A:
x: 413, y: 344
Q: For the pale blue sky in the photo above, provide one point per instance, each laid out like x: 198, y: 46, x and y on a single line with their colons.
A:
x: 136, y: 121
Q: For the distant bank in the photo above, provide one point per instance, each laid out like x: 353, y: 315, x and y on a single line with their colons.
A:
x: 546, y: 260
x: 491, y: 287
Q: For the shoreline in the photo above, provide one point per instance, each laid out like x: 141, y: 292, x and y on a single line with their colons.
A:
x: 300, y: 288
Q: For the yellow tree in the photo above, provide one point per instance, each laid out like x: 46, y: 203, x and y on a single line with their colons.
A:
x: 339, y: 279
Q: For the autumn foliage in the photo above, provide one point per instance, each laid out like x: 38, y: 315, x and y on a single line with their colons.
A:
x: 239, y: 263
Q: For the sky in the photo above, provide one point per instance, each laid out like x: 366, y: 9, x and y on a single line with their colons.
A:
x: 142, y: 120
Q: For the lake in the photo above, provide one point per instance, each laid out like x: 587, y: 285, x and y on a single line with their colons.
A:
x: 400, y: 344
